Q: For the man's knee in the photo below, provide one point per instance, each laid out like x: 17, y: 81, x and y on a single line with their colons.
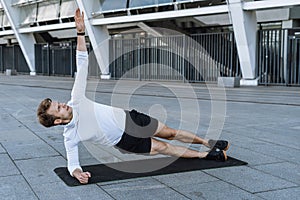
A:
x: 166, y: 132
x: 160, y: 127
x: 158, y: 146
x: 170, y: 132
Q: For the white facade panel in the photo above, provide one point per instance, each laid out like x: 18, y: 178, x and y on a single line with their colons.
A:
x: 67, y: 9
x: 5, y: 22
x: 28, y: 14
x: 48, y: 11
x: 273, y: 15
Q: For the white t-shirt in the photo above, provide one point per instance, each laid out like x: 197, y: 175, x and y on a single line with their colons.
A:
x: 91, y: 121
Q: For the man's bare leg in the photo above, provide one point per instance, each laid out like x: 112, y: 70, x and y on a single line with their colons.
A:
x: 168, y: 133
x: 159, y: 147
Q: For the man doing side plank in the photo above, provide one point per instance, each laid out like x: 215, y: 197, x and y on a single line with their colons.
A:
x: 128, y: 131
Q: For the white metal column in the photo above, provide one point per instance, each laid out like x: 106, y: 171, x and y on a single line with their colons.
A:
x: 245, y: 26
x: 99, y: 37
x: 26, y: 40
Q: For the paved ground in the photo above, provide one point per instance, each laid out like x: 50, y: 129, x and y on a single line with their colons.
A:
x: 262, y: 123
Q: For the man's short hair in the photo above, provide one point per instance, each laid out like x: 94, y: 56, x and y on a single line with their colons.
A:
x: 45, y: 119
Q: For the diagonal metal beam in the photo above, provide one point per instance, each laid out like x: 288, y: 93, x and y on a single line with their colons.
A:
x: 25, y: 40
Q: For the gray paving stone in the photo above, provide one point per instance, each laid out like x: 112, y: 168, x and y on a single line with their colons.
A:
x: 7, y: 166
x: 17, y: 134
x: 250, y: 179
x: 274, y: 134
x: 59, y: 190
x: 289, y: 193
x: 35, y: 126
x: 2, y: 150
x: 56, y: 130
x: 15, y: 188
x: 260, y: 115
x: 9, y: 123
x: 252, y: 158
x: 280, y: 152
x: 60, y: 148
x: 285, y: 170
x: 52, y: 136
x: 24, y: 113
x: 14, y: 108
x: 213, y: 191
x: 255, y: 130
x: 142, y: 189
x: 277, y: 151
x: 185, y: 178
x: 245, y: 142
x: 29, y: 149
x: 40, y: 170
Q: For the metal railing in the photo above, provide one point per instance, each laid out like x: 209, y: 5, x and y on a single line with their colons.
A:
x: 11, y: 57
x: 293, y: 67
x: 278, y: 57
x: 199, y: 58
x: 55, y: 59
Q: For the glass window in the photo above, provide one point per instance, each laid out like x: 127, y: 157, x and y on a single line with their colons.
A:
x: 147, y: 3
x: 164, y: 1
x: 186, y: 1
x: 108, y: 5
x: 139, y: 3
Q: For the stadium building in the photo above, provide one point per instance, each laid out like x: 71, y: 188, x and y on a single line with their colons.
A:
x: 237, y: 41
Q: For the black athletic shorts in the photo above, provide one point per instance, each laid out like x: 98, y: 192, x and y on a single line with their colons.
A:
x: 139, y: 128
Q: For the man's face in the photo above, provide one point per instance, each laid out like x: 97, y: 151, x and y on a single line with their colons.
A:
x: 62, y: 111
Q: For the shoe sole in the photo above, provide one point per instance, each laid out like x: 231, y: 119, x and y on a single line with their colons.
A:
x: 225, y: 156
x: 227, y: 147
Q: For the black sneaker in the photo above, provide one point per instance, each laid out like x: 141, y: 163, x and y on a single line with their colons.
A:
x: 216, y: 154
x: 219, y: 144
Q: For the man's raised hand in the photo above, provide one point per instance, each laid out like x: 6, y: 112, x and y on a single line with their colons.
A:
x: 79, y: 21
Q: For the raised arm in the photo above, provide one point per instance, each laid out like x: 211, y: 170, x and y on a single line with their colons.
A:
x: 78, y: 92
x: 79, y: 87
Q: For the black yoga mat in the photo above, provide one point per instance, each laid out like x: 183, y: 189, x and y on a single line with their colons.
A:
x: 119, y: 171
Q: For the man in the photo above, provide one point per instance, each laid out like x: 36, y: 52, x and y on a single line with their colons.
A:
x: 128, y: 131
